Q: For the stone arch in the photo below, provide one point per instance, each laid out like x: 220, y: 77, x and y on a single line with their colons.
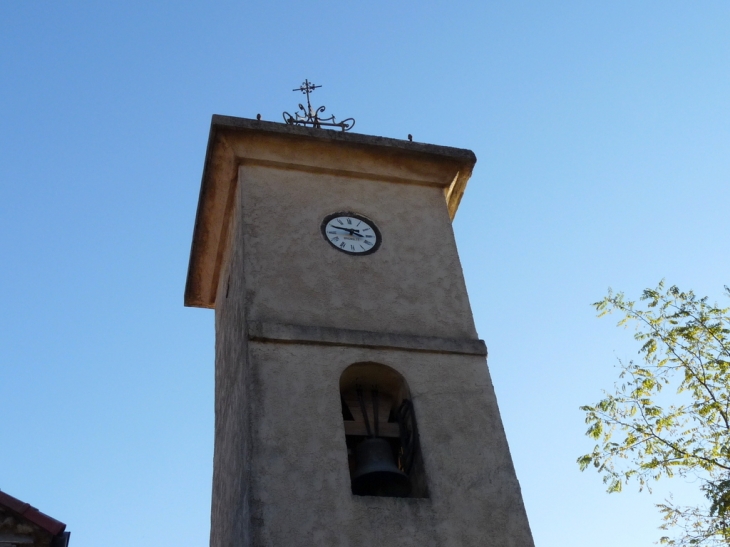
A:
x: 383, y: 448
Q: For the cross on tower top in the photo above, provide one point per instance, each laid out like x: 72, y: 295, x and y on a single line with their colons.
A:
x: 310, y: 116
x: 307, y: 87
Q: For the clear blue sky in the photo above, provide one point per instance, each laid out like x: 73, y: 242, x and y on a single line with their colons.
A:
x: 602, y: 133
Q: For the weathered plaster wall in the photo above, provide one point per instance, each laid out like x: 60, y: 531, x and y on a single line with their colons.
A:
x: 413, y: 284
x: 300, y: 490
x: 280, y: 465
x: 230, y: 511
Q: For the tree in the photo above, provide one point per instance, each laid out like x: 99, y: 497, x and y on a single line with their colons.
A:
x: 669, y: 414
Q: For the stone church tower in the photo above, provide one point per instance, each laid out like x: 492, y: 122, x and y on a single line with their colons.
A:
x: 353, y: 404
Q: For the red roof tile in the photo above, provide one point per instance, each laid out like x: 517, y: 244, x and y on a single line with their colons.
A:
x: 28, y: 512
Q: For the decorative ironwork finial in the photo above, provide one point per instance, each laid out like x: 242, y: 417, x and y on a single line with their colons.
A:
x: 310, y: 116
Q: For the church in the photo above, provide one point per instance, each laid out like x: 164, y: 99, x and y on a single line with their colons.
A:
x: 353, y: 402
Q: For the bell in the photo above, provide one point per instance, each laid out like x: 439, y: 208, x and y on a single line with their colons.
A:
x: 376, y: 473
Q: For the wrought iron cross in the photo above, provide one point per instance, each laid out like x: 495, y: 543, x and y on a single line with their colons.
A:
x: 307, y: 87
x: 310, y: 116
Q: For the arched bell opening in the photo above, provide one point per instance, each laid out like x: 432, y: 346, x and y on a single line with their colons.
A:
x: 383, y: 449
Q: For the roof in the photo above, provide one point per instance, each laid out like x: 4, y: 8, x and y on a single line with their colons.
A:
x: 30, y: 513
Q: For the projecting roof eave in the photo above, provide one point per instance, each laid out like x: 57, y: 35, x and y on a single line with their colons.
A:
x: 31, y: 514
x: 219, y: 178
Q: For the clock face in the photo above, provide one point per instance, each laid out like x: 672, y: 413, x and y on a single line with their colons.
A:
x: 351, y: 233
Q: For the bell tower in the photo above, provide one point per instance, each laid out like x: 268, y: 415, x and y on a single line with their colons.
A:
x: 353, y: 404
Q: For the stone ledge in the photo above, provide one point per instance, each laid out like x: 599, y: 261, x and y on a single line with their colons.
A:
x: 261, y: 331
x: 232, y: 123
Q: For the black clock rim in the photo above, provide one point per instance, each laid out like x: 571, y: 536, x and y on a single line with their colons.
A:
x: 378, y: 237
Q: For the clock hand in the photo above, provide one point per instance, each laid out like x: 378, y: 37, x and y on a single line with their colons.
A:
x: 351, y: 230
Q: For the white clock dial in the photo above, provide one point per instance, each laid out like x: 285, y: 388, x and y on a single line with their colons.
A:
x: 351, y: 233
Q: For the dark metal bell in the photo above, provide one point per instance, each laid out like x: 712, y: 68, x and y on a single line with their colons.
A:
x: 376, y: 473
